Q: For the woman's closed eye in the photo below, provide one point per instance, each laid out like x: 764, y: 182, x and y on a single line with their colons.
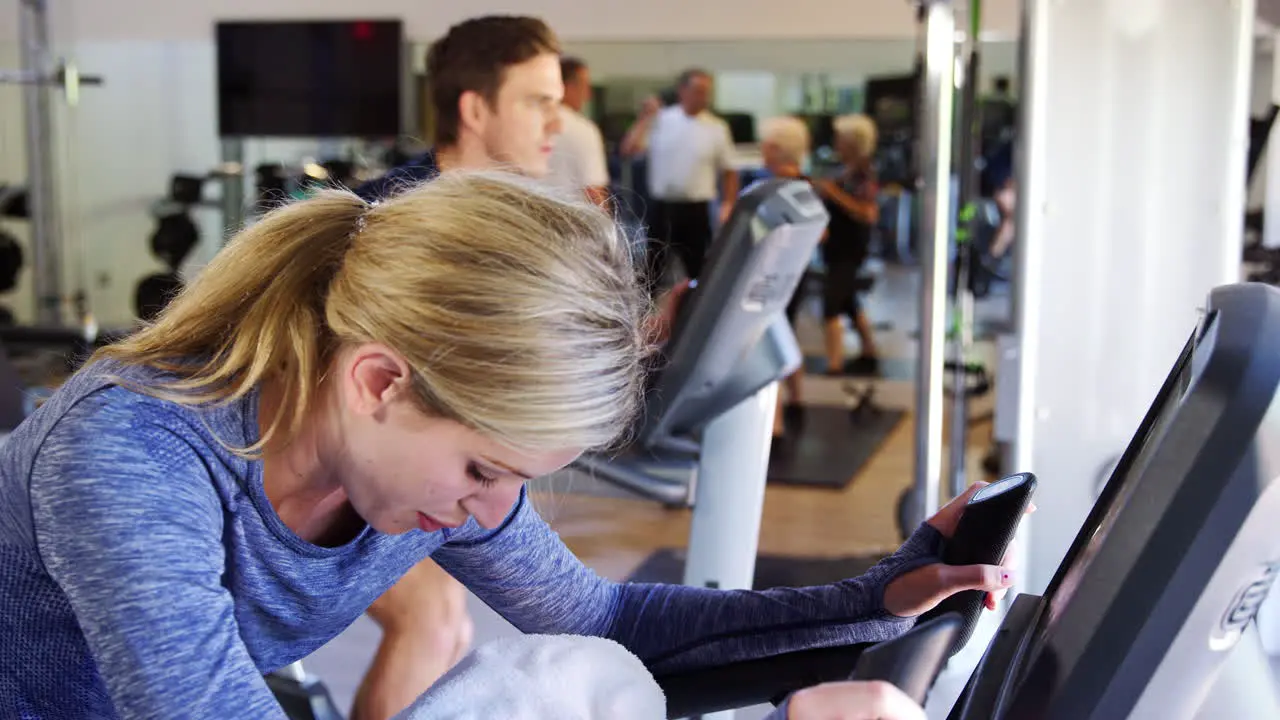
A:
x: 480, y: 476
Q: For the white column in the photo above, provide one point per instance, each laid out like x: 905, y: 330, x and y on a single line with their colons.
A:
x: 729, y: 495
x: 1131, y: 192
x: 729, y: 499
x: 1271, y: 164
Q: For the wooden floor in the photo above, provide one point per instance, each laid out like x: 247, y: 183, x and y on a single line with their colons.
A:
x: 614, y: 535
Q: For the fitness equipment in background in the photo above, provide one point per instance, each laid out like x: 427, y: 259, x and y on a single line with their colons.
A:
x: 13, y: 205
x: 965, y: 377
x: 13, y: 202
x: 1265, y: 261
x: 172, y: 241
x: 301, y: 695
x: 39, y: 73
x: 11, y: 261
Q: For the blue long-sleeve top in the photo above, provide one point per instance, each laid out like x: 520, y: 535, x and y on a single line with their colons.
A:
x: 143, y: 573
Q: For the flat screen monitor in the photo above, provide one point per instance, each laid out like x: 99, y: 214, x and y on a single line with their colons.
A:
x: 891, y: 102
x: 310, y: 79
x: 1181, y: 547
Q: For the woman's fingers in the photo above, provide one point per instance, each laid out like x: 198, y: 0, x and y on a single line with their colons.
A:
x: 948, y: 517
x: 958, y: 578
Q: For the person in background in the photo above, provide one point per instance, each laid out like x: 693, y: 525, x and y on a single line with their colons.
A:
x: 784, y: 147
x: 690, y: 151
x: 578, y: 159
x: 496, y: 92
x: 851, y: 199
x: 998, y: 184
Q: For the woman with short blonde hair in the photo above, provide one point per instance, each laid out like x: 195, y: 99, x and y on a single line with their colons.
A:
x: 784, y: 142
x: 785, y: 147
x: 853, y: 201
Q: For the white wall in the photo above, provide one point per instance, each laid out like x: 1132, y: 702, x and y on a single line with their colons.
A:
x: 861, y: 58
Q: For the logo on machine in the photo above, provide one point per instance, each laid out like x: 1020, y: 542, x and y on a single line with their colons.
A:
x: 1243, y: 608
x: 771, y: 290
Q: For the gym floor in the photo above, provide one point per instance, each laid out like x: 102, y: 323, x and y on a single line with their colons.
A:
x: 613, y: 533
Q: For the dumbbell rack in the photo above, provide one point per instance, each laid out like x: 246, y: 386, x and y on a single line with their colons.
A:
x: 39, y: 72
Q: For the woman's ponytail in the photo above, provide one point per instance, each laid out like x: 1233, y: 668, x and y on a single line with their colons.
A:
x: 256, y: 310
x: 517, y: 307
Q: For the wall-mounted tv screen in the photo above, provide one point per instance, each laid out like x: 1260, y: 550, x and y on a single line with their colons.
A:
x: 310, y: 78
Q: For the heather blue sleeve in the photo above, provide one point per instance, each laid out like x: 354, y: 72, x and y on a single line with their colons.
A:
x: 524, y: 572
x: 129, y: 526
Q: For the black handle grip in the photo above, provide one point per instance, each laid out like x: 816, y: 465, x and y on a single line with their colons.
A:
x: 912, y: 661
x: 982, y: 536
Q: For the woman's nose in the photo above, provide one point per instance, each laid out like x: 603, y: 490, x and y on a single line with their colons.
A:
x: 492, y: 506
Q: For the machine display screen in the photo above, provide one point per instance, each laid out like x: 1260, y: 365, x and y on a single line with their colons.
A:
x: 1119, y: 489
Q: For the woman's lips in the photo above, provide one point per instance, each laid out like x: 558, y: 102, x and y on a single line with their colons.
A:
x: 430, y: 524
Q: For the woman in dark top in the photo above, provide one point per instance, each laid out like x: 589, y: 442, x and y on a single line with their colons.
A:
x: 851, y: 201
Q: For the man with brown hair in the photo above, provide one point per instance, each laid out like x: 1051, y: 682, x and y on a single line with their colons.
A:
x: 496, y: 91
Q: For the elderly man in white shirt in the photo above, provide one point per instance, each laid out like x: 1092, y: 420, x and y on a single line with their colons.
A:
x: 578, y: 159
x: 690, y: 151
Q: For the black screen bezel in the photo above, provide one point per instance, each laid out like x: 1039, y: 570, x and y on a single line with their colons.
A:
x: 1125, y: 472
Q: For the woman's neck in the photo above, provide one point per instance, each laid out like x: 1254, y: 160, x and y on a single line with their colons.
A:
x: 788, y: 171
x: 298, y: 481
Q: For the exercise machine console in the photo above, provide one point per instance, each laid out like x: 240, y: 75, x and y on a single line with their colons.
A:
x: 1168, y: 570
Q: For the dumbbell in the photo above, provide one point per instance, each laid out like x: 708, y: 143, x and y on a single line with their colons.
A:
x: 154, y: 293
x: 11, y: 260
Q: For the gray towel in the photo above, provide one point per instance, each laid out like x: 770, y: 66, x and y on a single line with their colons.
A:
x: 544, y: 677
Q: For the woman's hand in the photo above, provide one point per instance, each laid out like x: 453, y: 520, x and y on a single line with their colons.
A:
x: 920, y: 590
x: 875, y: 700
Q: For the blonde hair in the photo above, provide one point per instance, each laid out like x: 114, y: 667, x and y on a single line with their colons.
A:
x: 859, y: 131
x: 518, y: 310
x: 789, y: 134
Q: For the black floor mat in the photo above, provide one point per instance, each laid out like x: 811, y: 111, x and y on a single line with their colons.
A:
x: 667, y: 566
x: 890, y: 368
x: 831, y: 446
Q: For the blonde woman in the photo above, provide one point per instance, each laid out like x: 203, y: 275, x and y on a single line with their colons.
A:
x: 852, y: 201
x: 784, y: 147
x: 346, y: 390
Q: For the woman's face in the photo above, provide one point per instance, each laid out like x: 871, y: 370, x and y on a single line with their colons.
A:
x: 848, y: 150
x: 772, y: 155
x: 403, y: 469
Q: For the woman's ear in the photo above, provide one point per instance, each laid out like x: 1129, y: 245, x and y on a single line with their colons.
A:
x: 373, y: 375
